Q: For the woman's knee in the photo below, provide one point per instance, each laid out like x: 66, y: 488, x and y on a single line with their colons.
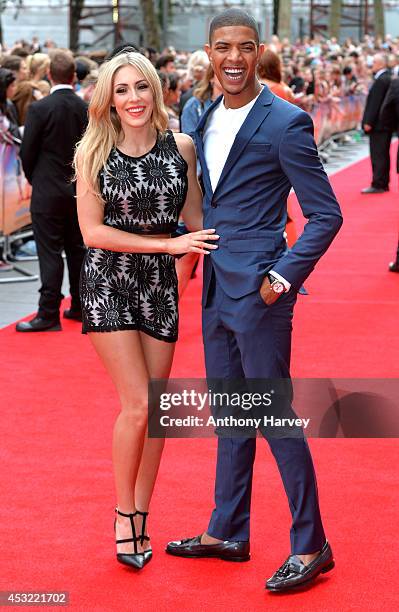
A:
x: 136, y: 412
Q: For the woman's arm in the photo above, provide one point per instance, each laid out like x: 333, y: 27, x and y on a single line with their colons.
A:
x: 192, y: 210
x: 96, y: 234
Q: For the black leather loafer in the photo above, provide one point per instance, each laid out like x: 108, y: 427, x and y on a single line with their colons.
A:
x: 192, y: 548
x: 294, y: 573
x: 75, y: 315
x: 38, y: 324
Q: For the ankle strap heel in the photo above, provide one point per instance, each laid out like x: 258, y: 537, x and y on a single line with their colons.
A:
x: 143, y: 538
x: 137, y: 559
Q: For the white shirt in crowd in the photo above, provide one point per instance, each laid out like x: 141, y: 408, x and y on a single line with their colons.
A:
x: 220, y: 132
x: 60, y: 86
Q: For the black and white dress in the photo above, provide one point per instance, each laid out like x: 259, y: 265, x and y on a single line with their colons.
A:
x: 142, y: 195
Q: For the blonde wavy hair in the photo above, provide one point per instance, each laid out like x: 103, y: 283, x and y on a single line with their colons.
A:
x: 104, y: 128
x: 38, y: 64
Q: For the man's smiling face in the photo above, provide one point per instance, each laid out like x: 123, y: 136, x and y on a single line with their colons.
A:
x: 234, y: 53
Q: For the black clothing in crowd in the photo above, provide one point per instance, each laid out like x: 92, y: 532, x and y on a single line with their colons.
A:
x: 53, y: 127
x: 380, y: 134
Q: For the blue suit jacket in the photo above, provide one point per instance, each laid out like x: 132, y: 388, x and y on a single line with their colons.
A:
x: 273, y: 151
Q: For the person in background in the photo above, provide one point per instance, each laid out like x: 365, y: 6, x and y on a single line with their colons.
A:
x: 171, y: 100
x: 9, y: 132
x: 350, y: 83
x: 206, y: 92
x: 88, y: 85
x: 379, y: 133
x: 196, y: 67
x: 18, y: 65
x: 35, y: 45
x: 297, y: 82
x: 44, y: 87
x: 166, y: 63
x: 8, y: 86
x: 53, y: 127
x: 26, y: 92
x: 389, y: 117
x: 270, y: 73
x: 38, y: 65
x: 82, y: 70
x: 336, y: 82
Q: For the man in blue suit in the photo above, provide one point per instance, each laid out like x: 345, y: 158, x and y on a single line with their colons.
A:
x: 253, y: 147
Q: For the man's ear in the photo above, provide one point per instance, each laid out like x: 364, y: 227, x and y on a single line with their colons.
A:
x: 208, y: 51
x: 261, y: 50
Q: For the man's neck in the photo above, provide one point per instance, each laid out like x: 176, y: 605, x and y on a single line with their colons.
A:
x: 244, y: 97
x: 55, y: 84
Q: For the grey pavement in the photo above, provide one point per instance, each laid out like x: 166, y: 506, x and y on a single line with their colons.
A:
x: 17, y: 300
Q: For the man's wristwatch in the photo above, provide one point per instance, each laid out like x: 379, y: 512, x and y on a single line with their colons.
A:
x: 276, y: 285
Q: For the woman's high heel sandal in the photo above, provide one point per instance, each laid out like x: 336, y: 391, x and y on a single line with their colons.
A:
x: 137, y: 559
x: 145, y: 538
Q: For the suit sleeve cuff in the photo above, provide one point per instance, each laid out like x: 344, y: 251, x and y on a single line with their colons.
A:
x: 280, y: 278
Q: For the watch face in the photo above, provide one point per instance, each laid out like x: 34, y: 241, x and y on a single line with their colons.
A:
x: 278, y: 287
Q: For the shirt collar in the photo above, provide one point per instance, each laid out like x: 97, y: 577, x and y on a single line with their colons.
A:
x: 379, y: 73
x: 61, y: 86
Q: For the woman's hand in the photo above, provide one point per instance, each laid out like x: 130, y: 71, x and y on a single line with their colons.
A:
x: 195, y: 242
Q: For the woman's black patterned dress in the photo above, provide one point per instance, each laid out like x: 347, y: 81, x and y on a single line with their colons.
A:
x: 142, y: 195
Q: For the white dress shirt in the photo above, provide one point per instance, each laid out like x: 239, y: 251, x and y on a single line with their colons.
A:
x: 220, y: 133
x: 60, y: 86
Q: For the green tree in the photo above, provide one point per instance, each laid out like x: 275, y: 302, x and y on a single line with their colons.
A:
x: 335, y: 18
x: 379, y: 18
x: 284, y: 19
x: 151, y: 24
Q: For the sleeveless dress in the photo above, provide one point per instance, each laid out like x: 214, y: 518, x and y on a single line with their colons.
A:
x: 142, y: 195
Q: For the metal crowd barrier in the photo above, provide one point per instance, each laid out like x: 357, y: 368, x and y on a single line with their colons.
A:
x: 15, y: 219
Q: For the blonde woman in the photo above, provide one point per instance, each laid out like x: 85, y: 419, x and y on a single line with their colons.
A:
x: 38, y: 65
x: 204, y: 94
x: 133, y: 179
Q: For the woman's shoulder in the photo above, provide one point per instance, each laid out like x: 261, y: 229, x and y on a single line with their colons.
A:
x: 185, y: 146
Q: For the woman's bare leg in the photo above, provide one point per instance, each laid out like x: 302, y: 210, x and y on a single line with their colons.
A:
x: 184, y: 269
x: 158, y: 358
x: 122, y: 355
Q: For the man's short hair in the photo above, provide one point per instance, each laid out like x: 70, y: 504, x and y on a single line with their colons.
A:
x: 233, y: 17
x: 12, y: 62
x: 164, y: 60
x: 62, y: 66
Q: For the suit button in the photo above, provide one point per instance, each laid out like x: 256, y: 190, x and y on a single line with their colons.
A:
x: 214, y: 205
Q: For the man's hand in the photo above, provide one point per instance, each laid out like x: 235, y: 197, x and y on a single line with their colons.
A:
x: 367, y: 127
x: 267, y: 294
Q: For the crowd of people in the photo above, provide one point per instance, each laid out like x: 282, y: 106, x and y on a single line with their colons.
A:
x: 305, y: 72
x: 314, y: 70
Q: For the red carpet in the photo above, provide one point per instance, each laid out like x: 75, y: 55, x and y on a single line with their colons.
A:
x: 58, y: 408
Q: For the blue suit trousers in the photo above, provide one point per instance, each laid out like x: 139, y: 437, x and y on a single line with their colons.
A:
x: 244, y: 338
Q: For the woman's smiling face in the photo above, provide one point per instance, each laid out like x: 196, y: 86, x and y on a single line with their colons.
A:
x: 132, y: 97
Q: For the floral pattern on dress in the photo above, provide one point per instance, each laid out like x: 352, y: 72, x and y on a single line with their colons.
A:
x: 143, y: 195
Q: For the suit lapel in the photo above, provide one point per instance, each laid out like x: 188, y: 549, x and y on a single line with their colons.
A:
x: 255, y: 118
